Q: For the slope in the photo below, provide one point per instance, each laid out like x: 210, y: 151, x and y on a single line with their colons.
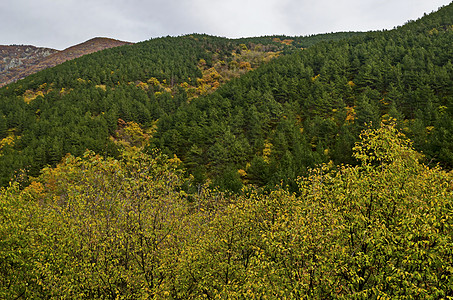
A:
x: 19, y: 57
x: 78, y: 104
x: 273, y: 124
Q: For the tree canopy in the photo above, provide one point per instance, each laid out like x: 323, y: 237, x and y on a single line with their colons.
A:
x: 99, y: 227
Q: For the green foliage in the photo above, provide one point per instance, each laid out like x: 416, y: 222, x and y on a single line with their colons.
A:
x: 131, y: 225
x: 102, y: 228
x: 97, y: 227
x: 312, y: 105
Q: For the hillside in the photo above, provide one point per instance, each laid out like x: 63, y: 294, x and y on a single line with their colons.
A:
x: 77, y: 105
x: 257, y: 111
x: 37, y: 59
x: 307, y: 108
x: 200, y: 167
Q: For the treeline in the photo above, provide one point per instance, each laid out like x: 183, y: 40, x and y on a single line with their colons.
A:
x: 103, y: 228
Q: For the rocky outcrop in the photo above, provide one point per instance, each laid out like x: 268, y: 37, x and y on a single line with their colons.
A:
x: 18, y: 61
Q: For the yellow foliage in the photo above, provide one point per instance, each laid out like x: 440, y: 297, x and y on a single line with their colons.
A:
x: 287, y: 42
x: 433, y: 31
x: 316, y: 77
x: 386, y: 119
x: 242, y: 172
x: 271, y: 55
x: 153, y: 81
x: 244, y: 65
x: 202, y: 62
x: 384, y: 102
x: 29, y: 95
x: 175, y: 160
x: 212, y: 74
x: 130, y: 135
x: 9, y: 140
x: 350, y: 117
x: 267, y: 151
x: 142, y: 85
x: 35, y: 189
x: 102, y: 87
x: 243, y: 47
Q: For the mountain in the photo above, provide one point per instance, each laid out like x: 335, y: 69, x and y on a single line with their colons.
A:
x: 20, y: 61
x: 200, y: 167
x: 78, y: 104
x: 236, y: 112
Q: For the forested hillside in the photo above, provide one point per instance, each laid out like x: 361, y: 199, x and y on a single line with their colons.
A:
x: 199, y: 167
x: 78, y: 105
x: 304, y: 102
x: 309, y: 107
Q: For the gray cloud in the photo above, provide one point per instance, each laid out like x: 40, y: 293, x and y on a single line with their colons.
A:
x: 60, y: 24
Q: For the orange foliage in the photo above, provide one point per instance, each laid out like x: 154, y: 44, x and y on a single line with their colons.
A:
x: 350, y: 117
x: 244, y: 65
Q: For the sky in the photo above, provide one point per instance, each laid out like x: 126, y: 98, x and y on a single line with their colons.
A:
x: 60, y: 24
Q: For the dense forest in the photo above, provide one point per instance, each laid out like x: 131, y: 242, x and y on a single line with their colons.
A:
x: 100, y: 228
x: 204, y: 167
x: 248, y: 111
x: 309, y: 107
x: 77, y: 105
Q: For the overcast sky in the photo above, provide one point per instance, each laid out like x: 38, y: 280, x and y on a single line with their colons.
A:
x: 62, y: 23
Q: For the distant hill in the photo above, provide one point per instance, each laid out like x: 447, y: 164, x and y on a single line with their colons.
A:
x: 17, y: 62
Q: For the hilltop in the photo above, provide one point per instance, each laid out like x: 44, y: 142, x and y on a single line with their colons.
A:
x: 16, y: 57
x: 19, y: 62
